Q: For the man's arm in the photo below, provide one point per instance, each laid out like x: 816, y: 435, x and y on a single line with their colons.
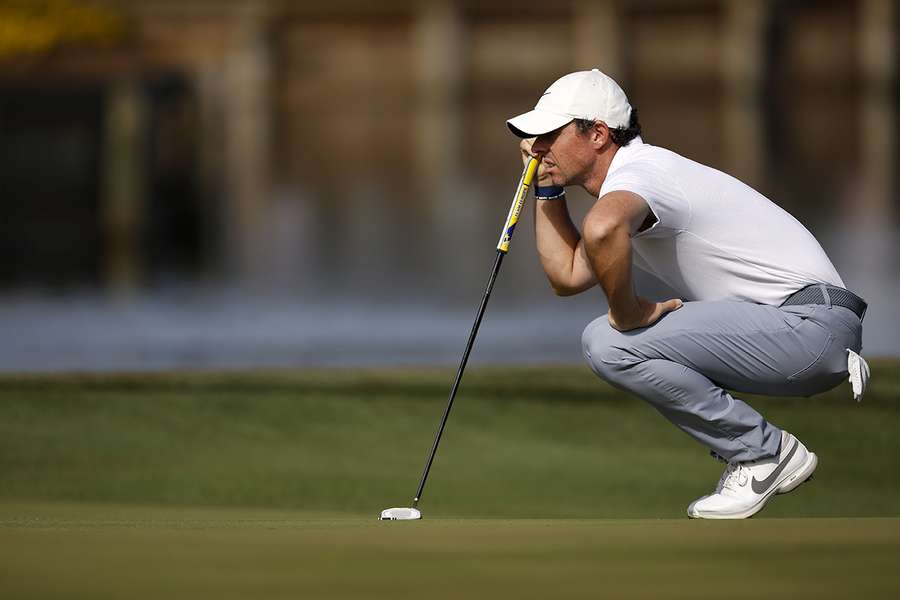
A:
x: 561, y: 249
x: 608, y: 228
x: 559, y: 245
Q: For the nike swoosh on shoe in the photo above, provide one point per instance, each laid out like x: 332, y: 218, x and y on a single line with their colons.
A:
x: 760, y: 487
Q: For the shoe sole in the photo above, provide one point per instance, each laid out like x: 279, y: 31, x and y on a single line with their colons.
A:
x: 788, y: 484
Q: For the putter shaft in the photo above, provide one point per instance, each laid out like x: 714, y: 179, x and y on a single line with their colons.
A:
x: 502, y: 248
x: 459, y: 372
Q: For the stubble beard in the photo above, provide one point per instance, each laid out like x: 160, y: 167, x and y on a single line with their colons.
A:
x: 568, y: 178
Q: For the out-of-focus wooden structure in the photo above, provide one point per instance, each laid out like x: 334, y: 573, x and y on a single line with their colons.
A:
x: 221, y: 136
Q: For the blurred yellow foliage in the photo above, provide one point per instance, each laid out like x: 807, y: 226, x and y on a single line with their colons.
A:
x: 38, y: 26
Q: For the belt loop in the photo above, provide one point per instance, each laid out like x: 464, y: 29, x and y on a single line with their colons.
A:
x: 825, y: 295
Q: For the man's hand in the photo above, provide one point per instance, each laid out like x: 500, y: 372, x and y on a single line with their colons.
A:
x: 525, y: 147
x: 647, y: 314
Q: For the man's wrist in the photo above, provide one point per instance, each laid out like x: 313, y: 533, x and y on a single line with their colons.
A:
x: 549, y: 192
x: 630, y: 315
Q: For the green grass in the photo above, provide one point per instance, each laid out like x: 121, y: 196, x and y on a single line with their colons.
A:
x: 552, y: 442
x: 88, y: 551
x: 548, y: 483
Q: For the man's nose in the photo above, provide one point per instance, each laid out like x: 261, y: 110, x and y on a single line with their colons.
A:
x: 540, y: 147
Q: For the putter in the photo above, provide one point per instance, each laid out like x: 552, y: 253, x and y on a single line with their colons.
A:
x: 412, y: 513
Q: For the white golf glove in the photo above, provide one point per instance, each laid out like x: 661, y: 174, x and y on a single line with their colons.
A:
x: 859, y: 374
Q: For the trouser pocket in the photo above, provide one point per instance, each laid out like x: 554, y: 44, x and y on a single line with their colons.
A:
x: 825, y: 337
x: 824, y: 347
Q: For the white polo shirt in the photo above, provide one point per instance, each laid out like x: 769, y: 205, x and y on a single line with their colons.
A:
x: 715, y: 238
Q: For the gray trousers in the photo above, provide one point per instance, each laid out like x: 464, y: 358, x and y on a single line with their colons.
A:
x: 684, y: 363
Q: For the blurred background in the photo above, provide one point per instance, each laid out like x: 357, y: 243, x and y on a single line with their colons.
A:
x: 247, y: 183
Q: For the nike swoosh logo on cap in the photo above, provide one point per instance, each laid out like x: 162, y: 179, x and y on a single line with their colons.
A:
x: 761, y: 486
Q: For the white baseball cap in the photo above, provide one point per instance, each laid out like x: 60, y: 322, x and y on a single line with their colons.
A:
x: 590, y: 95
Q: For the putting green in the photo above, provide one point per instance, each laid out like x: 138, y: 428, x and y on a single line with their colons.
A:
x: 90, y: 551
x: 268, y: 485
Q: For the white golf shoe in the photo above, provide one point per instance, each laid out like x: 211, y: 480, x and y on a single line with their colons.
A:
x: 744, y: 488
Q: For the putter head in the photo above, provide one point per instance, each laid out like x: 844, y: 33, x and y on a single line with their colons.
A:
x: 400, y: 514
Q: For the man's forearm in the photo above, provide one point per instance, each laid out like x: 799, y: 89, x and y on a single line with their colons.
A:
x: 557, y: 242
x: 610, y: 256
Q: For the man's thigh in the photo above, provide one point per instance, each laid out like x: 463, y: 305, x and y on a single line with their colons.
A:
x: 738, y: 345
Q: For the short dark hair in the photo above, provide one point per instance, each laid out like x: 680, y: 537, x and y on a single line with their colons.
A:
x: 621, y: 135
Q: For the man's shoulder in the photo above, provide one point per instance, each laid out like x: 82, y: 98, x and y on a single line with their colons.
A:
x: 642, y: 162
x: 639, y: 156
x: 650, y: 173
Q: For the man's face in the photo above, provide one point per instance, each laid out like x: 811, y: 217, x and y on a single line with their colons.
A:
x: 566, y: 155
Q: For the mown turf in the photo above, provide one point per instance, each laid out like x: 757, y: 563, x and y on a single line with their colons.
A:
x: 552, y: 442
x: 548, y: 484
x: 55, y: 551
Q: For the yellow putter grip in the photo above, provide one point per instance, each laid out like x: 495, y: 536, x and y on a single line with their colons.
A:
x: 518, y: 202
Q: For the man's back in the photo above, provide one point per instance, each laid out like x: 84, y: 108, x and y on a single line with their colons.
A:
x: 715, y: 238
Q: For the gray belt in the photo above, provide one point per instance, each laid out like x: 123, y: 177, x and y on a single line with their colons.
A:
x: 829, y: 295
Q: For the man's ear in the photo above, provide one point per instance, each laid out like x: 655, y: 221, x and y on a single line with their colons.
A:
x: 600, y: 134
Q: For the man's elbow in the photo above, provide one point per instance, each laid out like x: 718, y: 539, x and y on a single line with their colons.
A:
x: 567, y: 288
x: 599, y: 231
x: 563, y: 290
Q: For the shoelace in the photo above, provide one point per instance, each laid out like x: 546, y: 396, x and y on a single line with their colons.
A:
x: 734, y: 477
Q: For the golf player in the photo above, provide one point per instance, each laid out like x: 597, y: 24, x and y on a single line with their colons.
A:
x: 760, y: 310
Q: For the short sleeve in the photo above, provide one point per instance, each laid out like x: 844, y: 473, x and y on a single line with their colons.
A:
x: 662, y: 194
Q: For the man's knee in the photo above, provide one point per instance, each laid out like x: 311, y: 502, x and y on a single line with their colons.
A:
x: 605, y: 349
